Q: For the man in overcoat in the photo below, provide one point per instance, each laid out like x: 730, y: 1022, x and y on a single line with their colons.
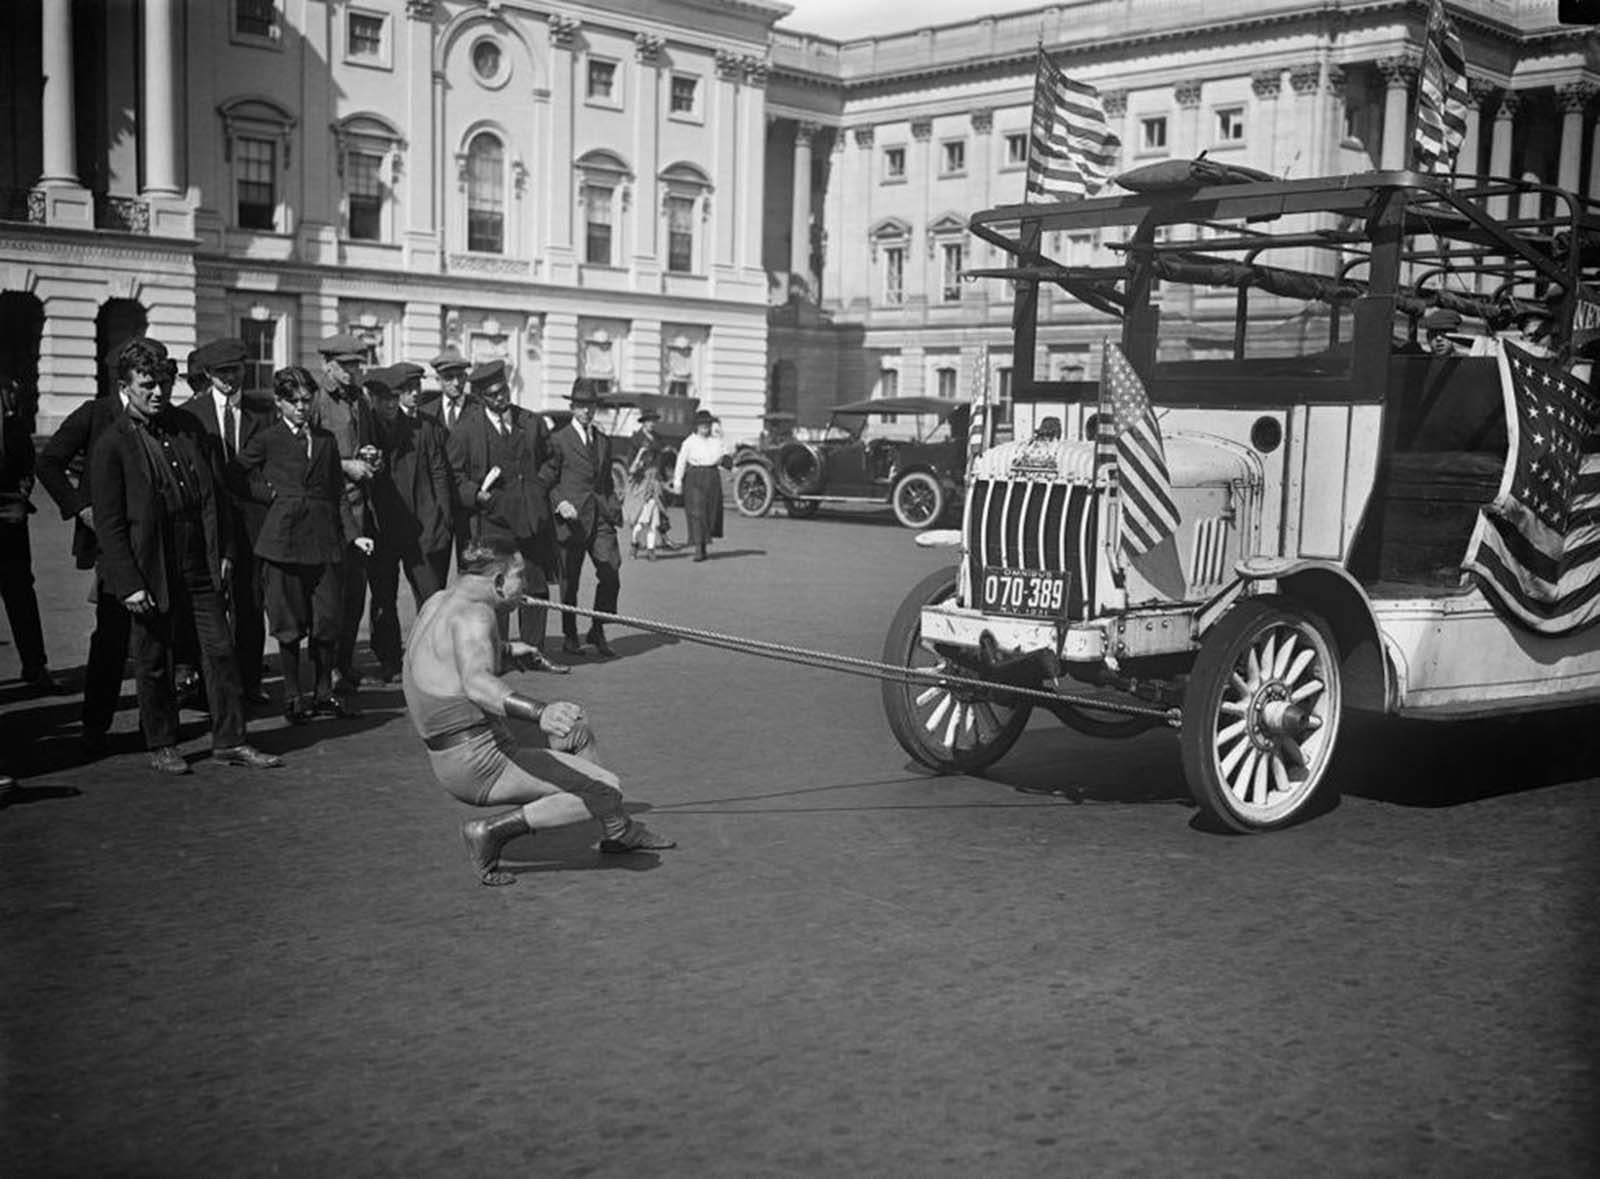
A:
x: 412, y: 498
x: 584, y: 501
x: 166, y: 547
x: 496, y: 452
x: 229, y: 422
x: 452, y: 404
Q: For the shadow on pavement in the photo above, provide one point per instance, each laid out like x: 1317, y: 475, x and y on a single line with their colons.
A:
x: 632, y: 643
x: 25, y: 795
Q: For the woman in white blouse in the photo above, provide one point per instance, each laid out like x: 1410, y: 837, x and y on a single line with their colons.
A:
x: 698, y: 478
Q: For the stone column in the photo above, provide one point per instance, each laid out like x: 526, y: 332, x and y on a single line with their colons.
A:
x: 800, y: 219
x: 1267, y: 85
x: 158, y: 122
x: 564, y: 246
x: 1305, y: 79
x: 1398, y: 75
x: 60, y: 105
x: 1186, y: 139
x: 1573, y: 99
x: 649, y: 209
x: 920, y: 170
x: 1472, y: 134
x: 1500, y: 150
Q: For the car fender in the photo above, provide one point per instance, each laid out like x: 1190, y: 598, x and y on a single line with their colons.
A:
x: 1327, y: 588
x: 752, y: 457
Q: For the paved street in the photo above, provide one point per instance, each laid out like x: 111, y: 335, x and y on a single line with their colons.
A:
x: 846, y: 968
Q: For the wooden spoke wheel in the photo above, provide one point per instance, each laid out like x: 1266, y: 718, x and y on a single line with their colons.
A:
x: 918, y: 500
x: 952, y: 730
x: 753, y: 490
x: 1261, y: 714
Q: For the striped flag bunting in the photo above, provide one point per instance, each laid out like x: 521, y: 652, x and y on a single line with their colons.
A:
x: 1071, y: 151
x: 1130, y: 438
x: 1441, y: 120
x: 978, y: 427
x: 1536, y: 549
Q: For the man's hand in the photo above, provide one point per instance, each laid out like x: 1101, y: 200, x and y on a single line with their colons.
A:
x: 356, y: 470
x: 483, y: 496
x: 86, y: 517
x: 518, y: 652
x: 566, y: 511
x: 559, y: 716
x: 139, y: 602
x: 227, y: 568
x: 365, y: 544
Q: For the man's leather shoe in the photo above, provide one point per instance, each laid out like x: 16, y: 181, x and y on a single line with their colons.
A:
x: 571, y: 646
x: 45, y: 684
x: 336, y: 705
x: 248, y: 756
x: 168, y: 760
x: 601, y: 647
x: 256, y: 695
x: 298, y: 711
x: 539, y: 661
x: 636, y: 838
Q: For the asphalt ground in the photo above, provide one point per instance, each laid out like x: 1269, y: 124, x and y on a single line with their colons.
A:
x: 845, y: 968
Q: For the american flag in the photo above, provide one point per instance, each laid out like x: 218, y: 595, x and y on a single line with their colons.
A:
x: 1536, y: 549
x: 1130, y: 438
x: 1441, y: 95
x: 1070, y: 149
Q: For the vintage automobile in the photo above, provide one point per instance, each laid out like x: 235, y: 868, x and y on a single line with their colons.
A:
x: 1354, y: 524
x: 919, y: 478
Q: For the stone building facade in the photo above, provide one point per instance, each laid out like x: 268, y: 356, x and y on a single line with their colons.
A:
x: 897, y: 139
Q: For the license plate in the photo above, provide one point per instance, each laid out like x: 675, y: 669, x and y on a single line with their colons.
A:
x: 1028, y: 592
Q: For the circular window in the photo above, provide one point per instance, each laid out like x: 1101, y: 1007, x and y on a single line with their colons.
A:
x: 489, y: 62
x: 1266, y: 434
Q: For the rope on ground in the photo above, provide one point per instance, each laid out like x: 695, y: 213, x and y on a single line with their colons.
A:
x: 853, y: 665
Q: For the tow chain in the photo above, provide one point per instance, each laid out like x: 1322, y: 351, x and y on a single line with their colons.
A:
x: 866, y: 668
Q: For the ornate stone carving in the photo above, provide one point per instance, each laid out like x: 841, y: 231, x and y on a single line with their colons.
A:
x: 127, y: 214
x: 1399, y: 72
x: 838, y: 140
x: 729, y: 65
x: 489, y: 264
x: 519, y: 177
x: 864, y: 136
x: 1187, y: 93
x: 1336, y: 80
x: 805, y: 133
x: 563, y: 29
x: 1510, y: 103
x: 756, y: 70
x: 1305, y: 77
x: 1115, y: 103
x: 1266, y: 83
x: 1479, y: 91
x: 921, y: 128
x: 420, y: 9
x: 463, y: 166
x: 983, y: 121
x: 1575, y: 96
x: 648, y: 47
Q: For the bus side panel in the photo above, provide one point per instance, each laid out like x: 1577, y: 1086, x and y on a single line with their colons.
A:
x: 1334, y: 450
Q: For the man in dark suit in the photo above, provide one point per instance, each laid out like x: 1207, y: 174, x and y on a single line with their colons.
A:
x: 452, y: 404
x: 496, y: 452
x: 412, y: 498
x: 166, y: 547
x: 578, y: 473
x: 18, y: 406
x: 63, y: 468
x: 229, y: 422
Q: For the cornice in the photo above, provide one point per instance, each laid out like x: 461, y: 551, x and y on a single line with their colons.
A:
x: 81, y: 246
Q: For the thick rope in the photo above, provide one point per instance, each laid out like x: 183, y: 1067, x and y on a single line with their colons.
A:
x: 852, y: 665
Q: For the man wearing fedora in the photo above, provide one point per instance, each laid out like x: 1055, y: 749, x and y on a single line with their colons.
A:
x: 216, y: 373
x: 578, y: 473
x: 496, y: 452
x: 340, y: 409
x: 452, y: 405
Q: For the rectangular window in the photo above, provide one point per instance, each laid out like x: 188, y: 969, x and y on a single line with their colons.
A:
x: 365, y: 36
x: 680, y: 235
x: 1230, y: 124
x: 602, y: 80
x: 256, y: 164
x: 363, y: 179
x: 955, y: 157
x: 889, y: 383
x: 255, y: 18
x: 1153, y: 133
x: 685, y: 92
x: 946, y: 383
x: 950, y: 272
x: 894, y: 163
x: 260, y: 337
x: 1004, y: 411
x: 1017, y: 148
x: 486, y: 209
x: 677, y: 388
x: 894, y: 274
x: 597, y: 233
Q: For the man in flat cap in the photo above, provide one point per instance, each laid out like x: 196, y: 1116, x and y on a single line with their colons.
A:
x: 584, y: 499
x: 217, y: 370
x: 496, y: 453
x: 340, y: 409
x: 412, y: 497
x: 1439, y: 326
x: 453, y: 403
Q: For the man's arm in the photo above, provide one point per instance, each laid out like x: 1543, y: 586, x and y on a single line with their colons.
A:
x: 108, y: 483
x: 70, y: 441
x: 458, y: 453
x: 476, y: 642
x: 439, y: 477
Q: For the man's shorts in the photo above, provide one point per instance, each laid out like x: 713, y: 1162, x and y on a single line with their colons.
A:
x: 471, y: 770
x: 302, y: 600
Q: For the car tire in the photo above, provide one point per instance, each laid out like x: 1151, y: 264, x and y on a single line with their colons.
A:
x: 753, y: 491
x: 918, y: 500
x: 801, y: 468
x: 953, y: 731
x: 1261, y: 715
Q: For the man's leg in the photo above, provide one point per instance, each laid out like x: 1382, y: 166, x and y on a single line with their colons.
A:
x: 607, y: 557
x: 423, y: 574
x: 532, y: 621
x: 569, y: 568
x: 108, y: 654
x: 151, y: 642
x: 223, y: 688
x: 353, y: 581
x: 22, y: 602
x: 383, y: 572
x: 439, y: 566
x: 249, y: 620
x: 324, y: 587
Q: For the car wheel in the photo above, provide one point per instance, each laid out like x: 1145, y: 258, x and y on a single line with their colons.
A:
x: 918, y: 500
x: 1261, y: 715
x: 801, y: 509
x: 752, y: 490
x: 951, y: 730
x: 802, y: 468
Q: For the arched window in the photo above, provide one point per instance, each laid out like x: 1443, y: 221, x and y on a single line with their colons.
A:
x: 486, y: 194
x: 602, y: 191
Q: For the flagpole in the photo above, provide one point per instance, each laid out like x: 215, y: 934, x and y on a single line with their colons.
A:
x: 1105, y: 454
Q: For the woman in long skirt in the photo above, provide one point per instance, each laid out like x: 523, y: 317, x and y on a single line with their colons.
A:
x: 698, y: 478
x: 642, y: 508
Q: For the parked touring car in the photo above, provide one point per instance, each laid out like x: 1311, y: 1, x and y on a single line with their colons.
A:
x: 1360, y: 525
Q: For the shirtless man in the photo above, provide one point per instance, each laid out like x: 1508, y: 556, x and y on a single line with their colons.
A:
x: 458, y: 705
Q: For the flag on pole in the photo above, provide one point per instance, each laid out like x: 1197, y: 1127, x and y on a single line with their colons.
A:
x: 1441, y: 95
x: 978, y: 426
x: 1070, y: 149
x: 1129, y: 437
x: 1536, y: 548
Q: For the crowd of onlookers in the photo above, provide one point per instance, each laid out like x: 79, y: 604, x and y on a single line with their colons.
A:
x: 237, y: 514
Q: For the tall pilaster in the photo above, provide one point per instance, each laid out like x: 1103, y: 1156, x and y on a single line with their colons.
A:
x: 158, y: 123
x: 1186, y: 137
x: 1500, y: 149
x: 800, y: 218
x: 65, y: 200
x: 647, y: 151
x: 921, y: 171
x: 1398, y: 75
x: 1574, y: 98
x: 1267, y: 85
x: 562, y: 251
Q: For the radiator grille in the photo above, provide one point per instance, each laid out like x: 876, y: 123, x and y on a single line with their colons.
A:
x: 1038, y: 526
